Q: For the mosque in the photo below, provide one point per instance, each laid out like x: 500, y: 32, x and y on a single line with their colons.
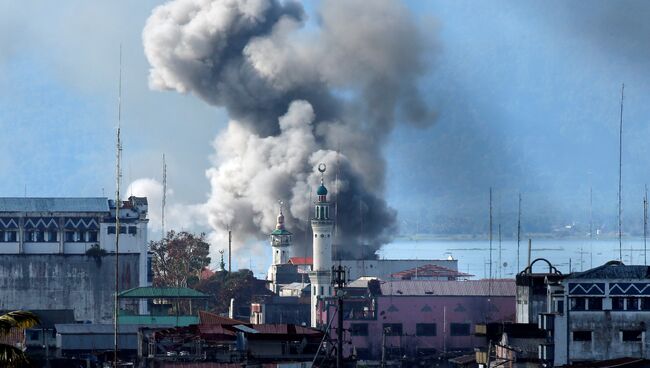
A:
x: 313, y: 275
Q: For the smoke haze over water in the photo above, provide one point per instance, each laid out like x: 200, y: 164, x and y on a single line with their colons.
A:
x: 295, y: 96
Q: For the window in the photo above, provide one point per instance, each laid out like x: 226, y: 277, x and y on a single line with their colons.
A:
x: 69, y: 236
x: 2, y: 236
x: 92, y: 236
x: 52, y: 236
x: 578, y: 304
x: 632, y: 335
x: 459, y: 329
x: 595, y: 304
x: 149, y: 269
x: 12, y: 236
x: 632, y: 304
x: 581, y: 335
x: 359, y: 329
x: 560, y: 306
x: 618, y: 304
x: 33, y: 335
x: 80, y: 236
x: 392, y: 329
x: 29, y: 236
x: 645, y: 304
x: 110, y: 230
x: 363, y: 354
x: 322, y: 290
x: 133, y: 230
x: 425, y: 329
x: 122, y: 229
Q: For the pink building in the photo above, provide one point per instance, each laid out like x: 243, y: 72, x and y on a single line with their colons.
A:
x: 420, y: 318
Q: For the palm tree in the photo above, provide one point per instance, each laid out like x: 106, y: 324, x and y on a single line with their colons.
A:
x: 11, y: 356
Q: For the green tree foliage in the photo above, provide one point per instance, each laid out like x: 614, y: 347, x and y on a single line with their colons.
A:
x: 11, y: 356
x: 179, y: 258
x: 241, y: 285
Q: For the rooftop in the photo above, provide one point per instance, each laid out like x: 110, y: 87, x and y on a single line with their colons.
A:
x: 449, y: 288
x: 429, y: 270
x: 19, y: 204
x: 162, y: 292
x: 301, y: 260
x: 613, y: 270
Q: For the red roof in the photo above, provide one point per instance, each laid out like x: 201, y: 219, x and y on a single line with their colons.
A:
x: 429, y: 270
x: 301, y: 260
x: 207, y: 318
x: 206, y: 273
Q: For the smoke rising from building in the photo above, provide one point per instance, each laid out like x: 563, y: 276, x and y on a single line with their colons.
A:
x: 295, y: 95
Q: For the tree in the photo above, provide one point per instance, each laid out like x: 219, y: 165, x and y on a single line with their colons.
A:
x: 223, y: 286
x: 179, y: 257
x: 11, y: 356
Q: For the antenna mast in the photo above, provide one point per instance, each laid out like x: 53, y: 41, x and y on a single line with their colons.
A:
x: 118, y: 175
x: 591, y: 228
x: 645, y: 226
x: 490, y: 237
x: 620, y: 180
x: 518, y: 231
x: 164, y: 196
x: 336, y: 204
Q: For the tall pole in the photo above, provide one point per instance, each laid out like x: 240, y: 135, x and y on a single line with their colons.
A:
x: 645, y: 225
x: 339, y: 281
x: 530, y: 250
x: 490, y: 236
x: 620, y: 180
x: 229, y: 250
x: 500, y: 261
x: 118, y: 174
x: 591, y: 228
x: 518, y: 231
x: 164, y: 196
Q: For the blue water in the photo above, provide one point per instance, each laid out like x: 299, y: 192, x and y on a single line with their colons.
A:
x: 473, y: 255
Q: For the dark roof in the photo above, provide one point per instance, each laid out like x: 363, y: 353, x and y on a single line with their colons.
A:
x: 50, y: 317
x: 94, y: 329
x: 613, y: 270
x: 162, y: 292
x: 449, y: 288
x: 19, y: 204
x: 207, y: 318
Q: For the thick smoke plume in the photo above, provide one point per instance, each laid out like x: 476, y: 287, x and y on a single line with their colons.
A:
x: 296, y: 95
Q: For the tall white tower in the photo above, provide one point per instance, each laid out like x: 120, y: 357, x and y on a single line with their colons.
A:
x: 321, y: 225
x: 280, y: 239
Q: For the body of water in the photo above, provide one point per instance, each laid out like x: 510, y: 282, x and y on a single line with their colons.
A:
x: 474, y: 255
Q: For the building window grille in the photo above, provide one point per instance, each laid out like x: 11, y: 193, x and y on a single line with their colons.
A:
x: 581, y: 335
x: 92, y: 236
x: 133, y: 230
x: 69, y: 236
x: 359, y: 329
x: 578, y: 304
x: 392, y: 329
x: 632, y: 304
x: 459, y: 329
x: 122, y: 229
x: 425, y: 329
x: 12, y: 236
x: 618, y: 304
x: 645, y: 304
x: 81, y: 237
x: 595, y: 304
x: 110, y: 230
x: 52, y: 236
x: 634, y: 335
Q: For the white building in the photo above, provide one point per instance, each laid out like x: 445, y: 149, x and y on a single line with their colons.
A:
x: 44, y: 260
x: 321, y: 273
x: 280, y: 240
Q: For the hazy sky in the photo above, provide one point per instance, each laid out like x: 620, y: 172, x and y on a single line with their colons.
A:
x: 526, y: 94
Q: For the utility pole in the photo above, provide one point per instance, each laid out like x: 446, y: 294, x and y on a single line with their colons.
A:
x: 490, y: 236
x: 620, y: 181
x: 338, y: 279
x: 500, y: 263
x: 518, y: 232
x: 118, y: 176
x: 591, y: 228
x: 645, y: 226
x: 229, y: 250
x: 164, y: 196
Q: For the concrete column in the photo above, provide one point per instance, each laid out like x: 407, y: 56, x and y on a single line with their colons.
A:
x: 21, y: 237
x: 61, y: 234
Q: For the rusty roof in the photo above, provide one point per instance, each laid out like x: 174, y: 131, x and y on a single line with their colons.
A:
x: 429, y: 270
x: 449, y: 288
x: 301, y: 260
x: 207, y: 318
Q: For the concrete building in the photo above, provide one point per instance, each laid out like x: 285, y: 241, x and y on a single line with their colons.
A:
x: 280, y: 240
x: 58, y: 253
x: 599, y: 314
x: 420, y: 318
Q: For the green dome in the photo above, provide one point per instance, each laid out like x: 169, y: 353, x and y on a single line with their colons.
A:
x: 321, y: 190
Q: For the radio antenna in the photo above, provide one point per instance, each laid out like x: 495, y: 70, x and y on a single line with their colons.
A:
x: 118, y: 175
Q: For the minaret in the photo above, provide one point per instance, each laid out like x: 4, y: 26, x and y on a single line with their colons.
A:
x: 321, y: 225
x: 280, y: 241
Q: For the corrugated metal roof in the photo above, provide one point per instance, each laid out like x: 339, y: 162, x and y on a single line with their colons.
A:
x: 17, y: 204
x: 613, y: 270
x: 449, y: 288
x: 161, y: 292
x: 301, y: 260
x: 207, y: 318
x: 429, y: 270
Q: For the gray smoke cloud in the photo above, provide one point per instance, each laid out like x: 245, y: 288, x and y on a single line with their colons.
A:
x: 295, y: 95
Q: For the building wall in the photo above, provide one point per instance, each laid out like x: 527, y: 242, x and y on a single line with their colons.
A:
x: 441, y: 310
x: 56, y: 281
x: 383, y: 268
